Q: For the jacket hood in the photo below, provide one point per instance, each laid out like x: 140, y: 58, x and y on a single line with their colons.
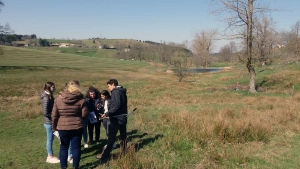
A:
x: 70, y: 98
x: 120, y: 88
x: 44, y: 94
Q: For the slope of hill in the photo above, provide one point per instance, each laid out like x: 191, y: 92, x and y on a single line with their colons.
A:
x: 198, y: 123
x: 40, y: 58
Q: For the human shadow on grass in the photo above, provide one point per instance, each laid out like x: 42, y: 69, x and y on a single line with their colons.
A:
x: 97, y: 148
x: 94, y: 164
x: 131, y: 136
x: 139, y: 144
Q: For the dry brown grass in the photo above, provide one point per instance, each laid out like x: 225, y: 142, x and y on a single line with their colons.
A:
x: 200, y: 122
x: 222, y: 125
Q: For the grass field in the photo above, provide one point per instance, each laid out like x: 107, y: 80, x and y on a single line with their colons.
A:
x: 198, y: 123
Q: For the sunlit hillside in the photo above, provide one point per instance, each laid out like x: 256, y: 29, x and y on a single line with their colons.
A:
x: 201, y: 122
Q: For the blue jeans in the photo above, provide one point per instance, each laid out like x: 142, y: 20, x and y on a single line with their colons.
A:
x: 50, y: 138
x: 70, y: 151
x: 85, y: 134
x: 106, y: 123
x: 67, y: 137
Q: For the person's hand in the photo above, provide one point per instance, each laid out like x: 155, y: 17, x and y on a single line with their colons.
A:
x: 103, y: 115
x: 98, y: 106
x: 56, y: 133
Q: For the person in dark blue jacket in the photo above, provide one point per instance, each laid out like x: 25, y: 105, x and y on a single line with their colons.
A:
x: 117, y: 113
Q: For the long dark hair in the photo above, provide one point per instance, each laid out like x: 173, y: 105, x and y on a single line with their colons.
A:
x: 47, y: 87
x: 106, y: 94
x: 92, y: 89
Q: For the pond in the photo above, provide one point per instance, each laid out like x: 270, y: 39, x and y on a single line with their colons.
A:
x: 200, y: 70
x: 203, y: 70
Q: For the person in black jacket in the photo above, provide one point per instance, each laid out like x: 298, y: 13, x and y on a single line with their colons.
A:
x: 47, y: 105
x: 117, y: 113
x: 93, y: 102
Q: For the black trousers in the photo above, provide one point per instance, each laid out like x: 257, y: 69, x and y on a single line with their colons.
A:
x: 91, y: 127
x: 112, y: 134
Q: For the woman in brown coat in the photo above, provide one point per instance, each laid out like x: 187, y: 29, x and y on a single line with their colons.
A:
x: 67, y: 118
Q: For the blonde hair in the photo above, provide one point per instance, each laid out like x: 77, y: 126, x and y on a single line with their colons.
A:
x: 73, y: 86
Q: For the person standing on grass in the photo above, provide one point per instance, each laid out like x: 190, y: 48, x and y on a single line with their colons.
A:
x: 47, y: 105
x: 85, y: 133
x: 117, y: 113
x: 105, y: 96
x: 92, y: 99
x: 67, y: 118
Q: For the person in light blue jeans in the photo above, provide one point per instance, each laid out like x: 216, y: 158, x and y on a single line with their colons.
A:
x: 85, y: 133
x: 50, y: 138
x: 47, y: 105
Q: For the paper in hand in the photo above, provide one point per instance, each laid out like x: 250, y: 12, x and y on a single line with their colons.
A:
x: 57, y: 135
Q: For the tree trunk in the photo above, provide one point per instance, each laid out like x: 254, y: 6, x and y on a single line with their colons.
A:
x: 252, y: 74
x: 250, y: 47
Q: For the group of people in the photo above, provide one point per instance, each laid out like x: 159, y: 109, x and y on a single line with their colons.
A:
x: 71, y: 114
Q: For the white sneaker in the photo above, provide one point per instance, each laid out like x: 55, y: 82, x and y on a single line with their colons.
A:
x: 52, y: 160
x: 70, y: 159
x: 85, y: 145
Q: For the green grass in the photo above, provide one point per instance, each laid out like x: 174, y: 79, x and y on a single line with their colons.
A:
x: 197, y: 123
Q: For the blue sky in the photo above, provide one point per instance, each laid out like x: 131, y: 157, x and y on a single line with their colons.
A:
x: 154, y: 20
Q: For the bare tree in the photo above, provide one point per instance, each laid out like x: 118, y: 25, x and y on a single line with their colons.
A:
x: 241, y: 14
x: 137, y: 51
x: 294, y: 40
x: 5, y: 29
x: 264, y: 38
x: 1, y: 5
x: 165, y: 52
x: 180, y: 60
x: 226, y: 53
x: 202, y: 45
x: 121, y: 45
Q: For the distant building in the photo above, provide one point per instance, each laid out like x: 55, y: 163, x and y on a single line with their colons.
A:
x: 66, y: 45
x: 63, y: 45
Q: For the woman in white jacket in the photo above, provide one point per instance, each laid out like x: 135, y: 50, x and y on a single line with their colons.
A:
x: 105, y: 96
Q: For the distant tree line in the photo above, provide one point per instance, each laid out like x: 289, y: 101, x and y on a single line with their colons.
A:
x: 43, y: 42
x: 9, y: 38
x: 151, y: 42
